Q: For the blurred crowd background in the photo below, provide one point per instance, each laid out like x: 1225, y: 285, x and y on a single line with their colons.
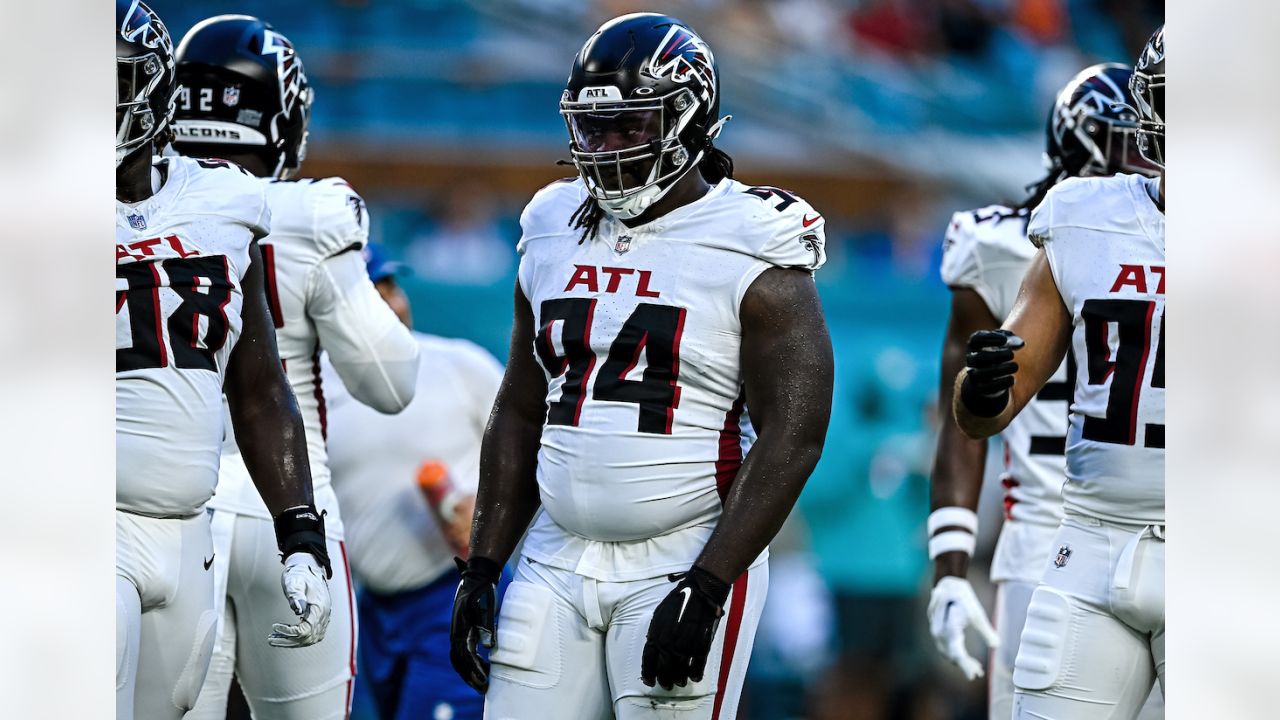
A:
x: 887, y: 115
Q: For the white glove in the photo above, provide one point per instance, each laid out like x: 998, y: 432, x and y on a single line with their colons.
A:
x: 307, y: 591
x: 953, y: 606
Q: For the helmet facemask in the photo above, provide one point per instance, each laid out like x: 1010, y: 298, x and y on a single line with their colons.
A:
x: 144, y: 78
x: 1148, y: 95
x: 1110, y: 142
x: 631, y: 152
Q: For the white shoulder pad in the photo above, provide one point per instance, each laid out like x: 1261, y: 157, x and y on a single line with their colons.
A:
x: 980, y: 238
x: 1101, y: 203
x: 341, y: 216
x: 549, y: 210
x: 779, y: 227
x: 228, y: 190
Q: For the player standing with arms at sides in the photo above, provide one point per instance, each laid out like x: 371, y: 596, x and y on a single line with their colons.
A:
x: 1090, y: 133
x: 407, y: 488
x: 191, y: 323
x: 655, y: 296
x: 244, y: 96
x: 1094, y: 636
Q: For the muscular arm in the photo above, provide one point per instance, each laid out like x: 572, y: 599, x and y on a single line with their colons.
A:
x: 507, y: 496
x: 372, y: 351
x: 264, y: 413
x: 788, y: 368
x: 959, y: 461
x: 1041, y: 319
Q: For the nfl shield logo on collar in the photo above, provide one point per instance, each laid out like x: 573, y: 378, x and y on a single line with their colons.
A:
x: 137, y: 222
x: 1064, y: 554
x: 231, y: 95
x: 622, y: 245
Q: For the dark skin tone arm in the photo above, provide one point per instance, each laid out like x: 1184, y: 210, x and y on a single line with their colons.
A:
x: 788, y: 367
x: 507, y: 497
x: 959, y: 461
x: 1042, y: 321
x: 264, y: 412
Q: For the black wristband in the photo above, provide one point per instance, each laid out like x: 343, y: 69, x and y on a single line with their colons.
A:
x: 484, y: 567
x: 301, y: 529
x: 709, y: 585
x: 984, y: 406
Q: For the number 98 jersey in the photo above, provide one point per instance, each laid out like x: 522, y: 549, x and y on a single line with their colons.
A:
x: 1104, y: 240
x: 639, y: 335
x: 180, y: 258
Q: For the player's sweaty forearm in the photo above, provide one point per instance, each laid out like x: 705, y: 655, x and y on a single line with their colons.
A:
x: 788, y: 366
x: 264, y: 412
x: 507, y: 497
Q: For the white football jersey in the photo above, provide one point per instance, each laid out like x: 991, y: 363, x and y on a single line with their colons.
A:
x: 180, y: 257
x: 639, y: 335
x: 320, y: 295
x: 1104, y: 238
x: 393, y: 540
x: 987, y: 251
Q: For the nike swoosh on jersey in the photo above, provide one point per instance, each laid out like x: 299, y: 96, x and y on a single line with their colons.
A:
x: 209, y: 563
x: 806, y: 221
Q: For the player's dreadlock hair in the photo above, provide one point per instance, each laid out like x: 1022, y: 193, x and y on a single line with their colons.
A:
x: 1038, y: 190
x: 715, y: 166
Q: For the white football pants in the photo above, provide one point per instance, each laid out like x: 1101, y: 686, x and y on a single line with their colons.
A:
x: 310, y: 683
x: 570, y: 646
x: 1093, y: 643
x: 164, y: 614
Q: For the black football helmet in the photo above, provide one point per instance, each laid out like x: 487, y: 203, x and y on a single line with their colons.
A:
x: 642, y: 105
x: 144, y: 77
x: 1147, y: 86
x: 242, y: 89
x: 1092, y: 126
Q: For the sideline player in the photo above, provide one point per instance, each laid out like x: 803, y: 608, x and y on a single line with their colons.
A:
x: 655, y: 296
x: 401, y: 536
x: 244, y: 96
x: 1090, y: 133
x: 191, y: 323
x: 1094, y: 636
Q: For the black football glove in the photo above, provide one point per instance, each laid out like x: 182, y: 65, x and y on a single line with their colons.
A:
x: 474, y: 606
x: 985, y: 390
x: 683, y: 626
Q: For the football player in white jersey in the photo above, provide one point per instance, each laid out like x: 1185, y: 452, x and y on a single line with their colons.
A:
x: 407, y: 487
x: 1094, y: 637
x: 656, y: 298
x: 191, y: 323
x: 243, y: 95
x: 1090, y: 133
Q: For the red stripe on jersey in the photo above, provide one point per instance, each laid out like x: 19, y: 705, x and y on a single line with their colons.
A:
x: 273, y: 294
x: 635, y: 358
x: 736, y: 604
x: 730, y: 458
x: 155, y: 299
x: 351, y: 608
x: 319, y: 393
x: 1142, y: 374
x: 591, y: 362
x: 675, y: 372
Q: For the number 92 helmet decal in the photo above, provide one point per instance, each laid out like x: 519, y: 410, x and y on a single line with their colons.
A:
x: 144, y: 77
x: 242, y: 89
x: 641, y: 106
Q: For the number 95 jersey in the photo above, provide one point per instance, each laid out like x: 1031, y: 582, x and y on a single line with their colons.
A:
x: 180, y: 257
x: 639, y: 335
x: 1104, y: 240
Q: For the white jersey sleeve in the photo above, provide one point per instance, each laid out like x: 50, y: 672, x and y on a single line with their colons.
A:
x: 370, y: 348
x: 986, y: 251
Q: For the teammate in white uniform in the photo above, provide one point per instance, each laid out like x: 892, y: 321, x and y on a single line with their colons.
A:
x: 986, y: 253
x: 1094, y: 637
x: 320, y: 298
x: 401, y: 538
x: 655, y: 296
x: 191, y: 322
